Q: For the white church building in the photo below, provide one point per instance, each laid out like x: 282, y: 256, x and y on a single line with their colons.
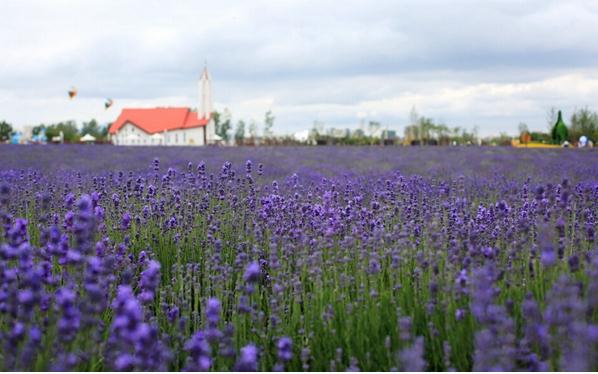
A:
x: 168, y: 125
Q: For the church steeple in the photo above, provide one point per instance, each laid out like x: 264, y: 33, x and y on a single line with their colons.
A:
x: 205, y: 94
x: 205, y: 108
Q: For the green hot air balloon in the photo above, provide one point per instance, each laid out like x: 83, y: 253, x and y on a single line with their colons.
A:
x: 559, y: 131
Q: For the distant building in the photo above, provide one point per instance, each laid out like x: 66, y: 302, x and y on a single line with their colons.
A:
x: 301, y: 136
x: 168, y: 126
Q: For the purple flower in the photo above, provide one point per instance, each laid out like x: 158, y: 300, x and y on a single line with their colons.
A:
x: 199, y: 353
x: 252, y: 273
x: 248, y: 360
x: 70, y: 320
x: 125, y: 362
x: 213, y: 311
x: 150, y: 279
x: 125, y: 222
x: 173, y: 313
x: 285, y: 349
x: 462, y: 282
x: 412, y: 358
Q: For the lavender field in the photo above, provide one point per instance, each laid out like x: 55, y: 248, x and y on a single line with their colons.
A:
x: 307, y: 258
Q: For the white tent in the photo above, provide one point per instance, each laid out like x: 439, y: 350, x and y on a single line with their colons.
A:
x: 88, y: 138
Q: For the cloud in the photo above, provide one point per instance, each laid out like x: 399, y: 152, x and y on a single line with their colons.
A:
x: 492, y: 64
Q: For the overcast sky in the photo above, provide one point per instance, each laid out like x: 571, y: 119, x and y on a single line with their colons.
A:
x: 487, y: 63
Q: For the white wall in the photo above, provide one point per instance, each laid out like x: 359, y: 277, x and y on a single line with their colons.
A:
x: 122, y: 136
x: 189, y: 137
x: 211, y: 131
x: 192, y: 136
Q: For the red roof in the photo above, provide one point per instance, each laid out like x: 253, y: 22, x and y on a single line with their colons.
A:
x: 153, y: 120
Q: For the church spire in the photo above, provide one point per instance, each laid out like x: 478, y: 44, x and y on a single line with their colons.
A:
x: 205, y: 94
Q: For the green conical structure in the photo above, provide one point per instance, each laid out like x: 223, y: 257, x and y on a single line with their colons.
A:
x: 559, y: 131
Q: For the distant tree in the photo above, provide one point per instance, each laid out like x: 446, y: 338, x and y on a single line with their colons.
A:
x: 583, y: 122
x: 426, y: 127
x: 411, y: 133
x: 559, y: 132
x: 5, y: 131
x: 468, y: 137
x: 268, y: 124
x: 413, y: 116
x: 442, y: 133
x: 240, y: 133
x: 476, y: 134
x: 68, y: 128
x: 456, y: 131
x: 318, y: 127
x: 225, y: 120
x: 253, y: 131
x: 503, y: 139
x: 92, y: 128
x: 540, y: 137
x: 216, y: 117
x: 359, y: 133
x: 374, y: 127
x: 104, y: 132
x: 551, y: 117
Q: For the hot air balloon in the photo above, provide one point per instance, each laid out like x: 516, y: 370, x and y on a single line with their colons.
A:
x: 72, y: 93
x: 108, y: 103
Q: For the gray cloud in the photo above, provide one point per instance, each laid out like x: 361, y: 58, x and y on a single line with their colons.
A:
x: 463, y: 62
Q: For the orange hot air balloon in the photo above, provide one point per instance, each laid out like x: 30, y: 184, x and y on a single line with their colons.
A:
x: 108, y: 103
x: 72, y: 93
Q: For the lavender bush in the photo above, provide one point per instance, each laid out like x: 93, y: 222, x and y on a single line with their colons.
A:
x: 298, y: 259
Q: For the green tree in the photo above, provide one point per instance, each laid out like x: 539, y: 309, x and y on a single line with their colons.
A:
x: 68, y: 128
x: 411, y: 133
x: 92, y: 128
x: 252, y: 131
x: 559, y: 132
x: 216, y: 117
x: 268, y: 124
x: 583, y: 122
x: 374, y: 127
x: 551, y: 117
x: 225, y: 120
x: 5, y: 131
x: 426, y: 127
x: 104, y: 132
x: 442, y: 133
x: 540, y: 137
x: 240, y: 133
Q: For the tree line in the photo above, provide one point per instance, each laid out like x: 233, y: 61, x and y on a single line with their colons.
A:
x: 583, y: 122
x: 421, y: 130
x: 246, y: 132
x: 70, y: 130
